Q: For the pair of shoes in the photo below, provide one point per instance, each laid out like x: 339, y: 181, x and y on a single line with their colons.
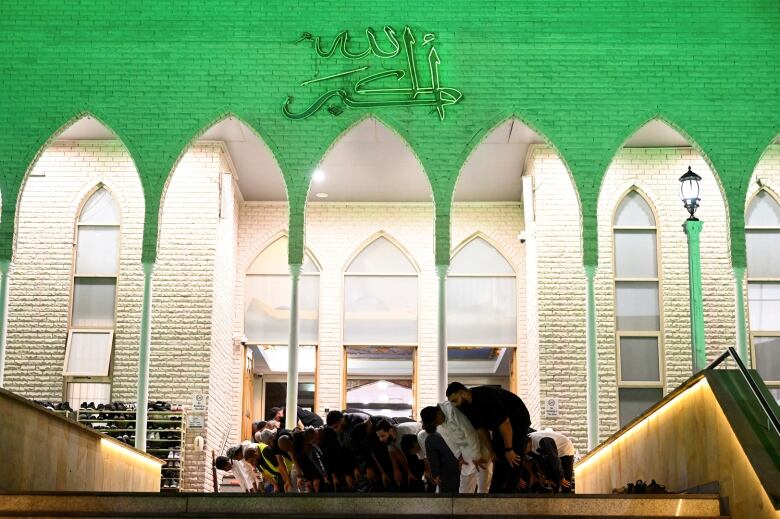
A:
x: 170, y: 455
x: 167, y: 483
x: 656, y: 488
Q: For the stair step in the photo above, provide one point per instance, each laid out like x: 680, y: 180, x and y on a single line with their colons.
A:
x: 365, y: 506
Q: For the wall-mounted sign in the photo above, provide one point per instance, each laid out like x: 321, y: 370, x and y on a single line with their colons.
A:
x: 195, y: 421
x: 403, y: 86
x: 199, y: 402
x: 551, y: 408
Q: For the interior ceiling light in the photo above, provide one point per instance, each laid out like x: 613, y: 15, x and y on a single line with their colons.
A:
x: 318, y: 175
x: 321, y: 195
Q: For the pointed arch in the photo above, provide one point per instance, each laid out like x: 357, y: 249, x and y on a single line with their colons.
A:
x: 479, y: 235
x: 270, y: 242
x: 752, y: 200
x: 49, y: 141
x: 390, y: 124
x: 633, y: 128
x: 201, y: 129
x: 624, y: 198
x: 371, y: 240
x: 493, y: 124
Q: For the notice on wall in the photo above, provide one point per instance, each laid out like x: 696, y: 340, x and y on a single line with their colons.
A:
x: 199, y: 402
x: 195, y: 421
x: 551, y: 408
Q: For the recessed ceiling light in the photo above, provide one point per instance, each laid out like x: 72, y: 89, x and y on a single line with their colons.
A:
x: 318, y: 175
x: 321, y: 195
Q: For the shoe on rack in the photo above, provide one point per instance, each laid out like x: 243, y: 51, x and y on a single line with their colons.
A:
x: 149, y: 436
x: 91, y: 405
x: 176, y: 465
x: 83, y: 405
x: 176, y: 455
x: 167, y: 483
x: 170, y: 455
x: 175, y: 483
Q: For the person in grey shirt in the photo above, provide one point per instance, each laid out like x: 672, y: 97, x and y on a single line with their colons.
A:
x: 445, y: 467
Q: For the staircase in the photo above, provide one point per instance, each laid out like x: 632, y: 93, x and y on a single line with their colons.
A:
x: 376, y: 506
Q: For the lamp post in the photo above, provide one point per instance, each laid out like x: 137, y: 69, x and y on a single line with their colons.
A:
x: 690, y: 196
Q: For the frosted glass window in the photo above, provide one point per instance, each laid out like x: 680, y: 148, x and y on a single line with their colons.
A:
x: 99, y: 393
x: 637, y: 306
x: 380, y: 309
x: 768, y: 357
x: 763, y: 253
x: 481, y: 310
x: 635, y: 254
x: 764, y: 306
x: 380, y: 361
x: 382, y: 256
x: 635, y: 401
x: 89, y: 354
x: 639, y: 359
x: 267, y: 309
x: 634, y: 212
x: 97, y: 251
x: 763, y: 211
x: 101, y: 208
x: 93, y: 303
x: 479, y: 257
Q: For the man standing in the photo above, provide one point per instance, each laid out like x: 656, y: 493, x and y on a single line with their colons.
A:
x: 502, y: 420
x: 464, y: 442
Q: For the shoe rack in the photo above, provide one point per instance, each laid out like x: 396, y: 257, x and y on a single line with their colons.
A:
x: 165, y: 433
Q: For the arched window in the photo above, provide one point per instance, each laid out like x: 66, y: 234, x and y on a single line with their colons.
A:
x: 267, y: 322
x: 762, y: 234
x: 380, y: 329
x: 481, y: 315
x: 93, y: 301
x: 637, y: 307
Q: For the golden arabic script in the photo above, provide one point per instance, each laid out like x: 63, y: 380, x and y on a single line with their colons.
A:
x: 399, y: 86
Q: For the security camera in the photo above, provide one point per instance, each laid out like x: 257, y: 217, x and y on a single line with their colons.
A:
x: 522, y: 237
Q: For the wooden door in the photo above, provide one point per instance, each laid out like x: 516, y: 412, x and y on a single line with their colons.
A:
x: 247, y: 398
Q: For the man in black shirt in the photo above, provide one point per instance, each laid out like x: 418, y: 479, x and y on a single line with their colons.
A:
x: 502, y: 419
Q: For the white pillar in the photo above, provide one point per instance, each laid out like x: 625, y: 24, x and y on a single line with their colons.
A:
x: 291, y: 407
x: 5, y: 266
x: 442, y: 329
x: 141, y: 412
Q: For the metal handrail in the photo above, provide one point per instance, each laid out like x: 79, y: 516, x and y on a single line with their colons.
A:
x: 774, y: 421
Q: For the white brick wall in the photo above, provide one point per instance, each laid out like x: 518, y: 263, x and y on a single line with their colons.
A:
x: 336, y: 231
x: 559, y: 323
x: 40, y: 286
x: 561, y: 280
x: 655, y: 172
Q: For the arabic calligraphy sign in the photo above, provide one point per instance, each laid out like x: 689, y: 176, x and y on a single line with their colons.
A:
x: 405, y: 90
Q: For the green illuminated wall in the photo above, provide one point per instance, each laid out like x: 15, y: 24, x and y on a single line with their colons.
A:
x: 586, y: 75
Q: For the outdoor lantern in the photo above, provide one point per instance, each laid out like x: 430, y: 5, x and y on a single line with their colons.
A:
x: 689, y: 192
